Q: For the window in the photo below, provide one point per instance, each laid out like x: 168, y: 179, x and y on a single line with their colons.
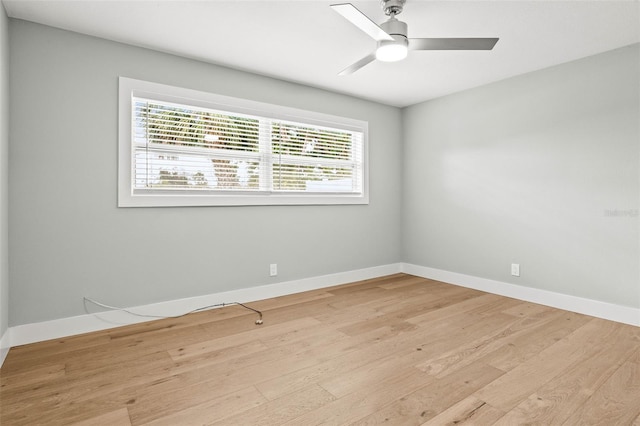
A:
x: 181, y: 147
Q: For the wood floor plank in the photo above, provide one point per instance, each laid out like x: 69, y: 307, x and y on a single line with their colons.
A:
x: 339, y: 358
x: 202, y: 381
x: 409, y: 281
x: 527, y: 309
x: 214, y: 410
x: 114, y: 418
x: 469, y: 411
x: 561, y: 398
x: 243, y: 338
x: 523, y: 380
x: 529, y: 345
x: 359, y: 404
x: 355, y: 298
x: 312, y: 347
x: 283, y: 409
x: 368, y: 374
x: 68, y: 393
x: 484, y: 345
x: 395, y: 313
x: 29, y: 378
x: 50, y: 352
x: 291, y: 300
x: 443, y: 313
x: 617, y: 400
x: 428, y: 401
x: 359, y: 286
x: 213, y: 353
x: 391, y: 350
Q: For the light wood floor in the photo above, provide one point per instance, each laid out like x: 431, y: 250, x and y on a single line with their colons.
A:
x: 393, y: 350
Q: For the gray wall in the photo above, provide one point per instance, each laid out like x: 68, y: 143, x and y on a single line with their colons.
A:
x: 68, y: 239
x: 541, y: 170
x: 4, y: 174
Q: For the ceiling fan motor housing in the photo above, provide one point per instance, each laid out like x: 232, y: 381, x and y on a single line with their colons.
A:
x: 393, y: 27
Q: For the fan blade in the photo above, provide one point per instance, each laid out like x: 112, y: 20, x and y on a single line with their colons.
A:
x: 360, y: 20
x: 355, y: 67
x: 452, y: 43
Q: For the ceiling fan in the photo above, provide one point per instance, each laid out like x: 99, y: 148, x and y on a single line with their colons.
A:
x: 393, y: 44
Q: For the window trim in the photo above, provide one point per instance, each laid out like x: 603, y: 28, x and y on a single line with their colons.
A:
x: 129, y: 88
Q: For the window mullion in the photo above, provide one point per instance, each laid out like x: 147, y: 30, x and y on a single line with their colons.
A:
x: 146, y: 147
x: 266, y: 158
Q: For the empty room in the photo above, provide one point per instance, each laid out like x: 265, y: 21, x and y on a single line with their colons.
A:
x: 403, y: 212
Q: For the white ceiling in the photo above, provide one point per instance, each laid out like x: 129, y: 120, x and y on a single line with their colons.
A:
x: 307, y: 42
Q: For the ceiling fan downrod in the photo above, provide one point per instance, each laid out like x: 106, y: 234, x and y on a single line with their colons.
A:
x: 392, y: 7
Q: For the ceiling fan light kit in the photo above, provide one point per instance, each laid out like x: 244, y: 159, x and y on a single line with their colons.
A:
x: 396, y: 49
x: 391, y: 36
x: 391, y: 51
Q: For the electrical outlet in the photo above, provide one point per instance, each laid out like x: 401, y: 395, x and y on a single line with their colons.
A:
x: 515, y: 269
x: 273, y: 269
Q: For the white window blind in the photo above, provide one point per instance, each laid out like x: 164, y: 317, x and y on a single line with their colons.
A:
x: 210, y: 150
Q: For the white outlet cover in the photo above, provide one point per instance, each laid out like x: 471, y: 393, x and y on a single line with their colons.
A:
x: 515, y: 269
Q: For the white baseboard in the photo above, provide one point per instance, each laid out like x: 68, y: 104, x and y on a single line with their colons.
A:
x: 37, y: 332
x: 54, y: 329
x: 5, y: 345
x: 595, y: 308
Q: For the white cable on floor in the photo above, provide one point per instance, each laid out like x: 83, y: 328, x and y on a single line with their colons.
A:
x: 95, y: 302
